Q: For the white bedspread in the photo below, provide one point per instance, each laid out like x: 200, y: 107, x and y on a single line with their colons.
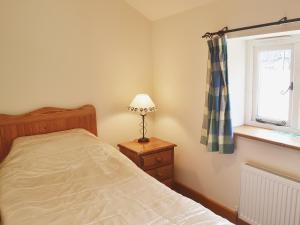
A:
x: 71, y: 177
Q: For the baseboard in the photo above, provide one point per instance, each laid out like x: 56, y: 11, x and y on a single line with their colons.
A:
x: 214, y: 206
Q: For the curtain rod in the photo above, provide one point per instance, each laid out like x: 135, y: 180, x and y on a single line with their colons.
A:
x: 226, y: 30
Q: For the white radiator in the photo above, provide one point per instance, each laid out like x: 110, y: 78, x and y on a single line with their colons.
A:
x: 268, y: 198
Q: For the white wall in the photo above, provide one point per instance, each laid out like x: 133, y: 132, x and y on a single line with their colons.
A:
x: 236, y: 50
x: 67, y: 53
x: 180, y: 58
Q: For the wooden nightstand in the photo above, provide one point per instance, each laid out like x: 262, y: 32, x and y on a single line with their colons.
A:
x: 155, y: 157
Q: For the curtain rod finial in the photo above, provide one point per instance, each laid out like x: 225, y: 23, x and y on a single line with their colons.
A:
x: 207, y: 35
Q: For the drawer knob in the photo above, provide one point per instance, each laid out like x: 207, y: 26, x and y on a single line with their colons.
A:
x: 158, y: 159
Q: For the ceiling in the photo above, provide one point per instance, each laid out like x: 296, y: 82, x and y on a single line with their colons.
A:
x: 157, y: 9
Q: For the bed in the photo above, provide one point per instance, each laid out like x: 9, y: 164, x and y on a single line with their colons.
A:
x: 55, y: 170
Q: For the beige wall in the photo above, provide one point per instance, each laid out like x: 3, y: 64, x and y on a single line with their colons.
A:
x: 180, y: 57
x: 67, y: 53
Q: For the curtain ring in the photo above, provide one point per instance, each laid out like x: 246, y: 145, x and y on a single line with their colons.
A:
x: 283, y: 20
x: 222, y: 31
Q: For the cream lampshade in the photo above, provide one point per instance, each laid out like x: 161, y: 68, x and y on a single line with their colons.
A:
x: 142, y: 104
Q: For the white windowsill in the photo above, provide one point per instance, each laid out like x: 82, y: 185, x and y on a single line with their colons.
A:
x: 269, y: 136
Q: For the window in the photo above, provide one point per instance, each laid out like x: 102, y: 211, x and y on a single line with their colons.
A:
x: 274, y: 83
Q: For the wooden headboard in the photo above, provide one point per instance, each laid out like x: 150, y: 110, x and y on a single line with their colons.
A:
x: 44, y: 120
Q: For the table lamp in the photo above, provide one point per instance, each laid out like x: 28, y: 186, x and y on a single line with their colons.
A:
x: 142, y: 104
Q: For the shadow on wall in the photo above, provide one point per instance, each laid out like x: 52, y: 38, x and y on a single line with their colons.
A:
x: 121, y: 126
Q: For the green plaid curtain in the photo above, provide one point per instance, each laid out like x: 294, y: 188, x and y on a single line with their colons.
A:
x: 217, y: 128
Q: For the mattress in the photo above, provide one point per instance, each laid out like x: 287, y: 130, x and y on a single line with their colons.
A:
x: 71, y: 177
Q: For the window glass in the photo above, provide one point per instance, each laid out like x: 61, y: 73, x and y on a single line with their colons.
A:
x: 274, y: 80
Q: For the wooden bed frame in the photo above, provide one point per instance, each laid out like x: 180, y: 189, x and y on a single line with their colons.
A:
x: 42, y: 121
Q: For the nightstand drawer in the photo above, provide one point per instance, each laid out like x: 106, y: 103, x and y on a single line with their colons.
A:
x: 157, y: 159
x: 161, y: 173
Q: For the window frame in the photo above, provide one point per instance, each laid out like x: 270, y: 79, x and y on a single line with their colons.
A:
x: 252, y: 49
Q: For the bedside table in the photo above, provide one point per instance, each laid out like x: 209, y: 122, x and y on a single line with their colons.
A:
x: 155, y: 157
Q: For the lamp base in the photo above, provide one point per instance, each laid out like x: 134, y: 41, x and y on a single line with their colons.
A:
x: 143, y: 140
